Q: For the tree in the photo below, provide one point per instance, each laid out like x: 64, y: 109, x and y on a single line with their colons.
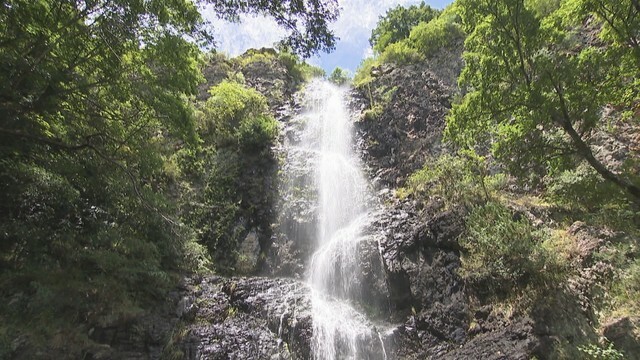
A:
x: 109, y: 79
x: 532, y: 88
x: 55, y: 56
x: 95, y: 102
x: 397, y: 23
x: 306, y: 21
x: 339, y: 76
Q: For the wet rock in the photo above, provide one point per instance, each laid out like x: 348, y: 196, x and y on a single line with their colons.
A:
x: 186, y: 308
x: 249, y: 318
x: 248, y: 253
x: 296, y: 224
x: 420, y: 258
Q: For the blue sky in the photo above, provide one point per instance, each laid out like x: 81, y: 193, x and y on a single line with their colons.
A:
x: 353, y: 27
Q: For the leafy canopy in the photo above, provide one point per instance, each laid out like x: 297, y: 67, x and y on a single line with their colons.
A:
x: 397, y: 23
x: 534, y: 89
x: 339, y: 76
x: 95, y: 99
x: 306, y: 22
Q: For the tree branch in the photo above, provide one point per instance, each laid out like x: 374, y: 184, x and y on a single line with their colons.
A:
x: 57, y: 143
x: 564, y: 120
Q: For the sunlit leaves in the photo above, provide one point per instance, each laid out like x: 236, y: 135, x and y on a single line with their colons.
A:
x: 306, y: 22
x: 397, y: 24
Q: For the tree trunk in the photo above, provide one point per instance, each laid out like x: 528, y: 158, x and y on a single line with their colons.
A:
x: 585, y: 151
x: 564, y: 120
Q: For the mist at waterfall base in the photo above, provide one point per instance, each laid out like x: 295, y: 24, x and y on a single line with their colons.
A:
x: 341, y: 192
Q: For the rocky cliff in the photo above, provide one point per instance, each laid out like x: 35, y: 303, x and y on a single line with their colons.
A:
x: 410, y: 257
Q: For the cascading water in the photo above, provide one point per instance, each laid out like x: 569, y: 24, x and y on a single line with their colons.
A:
x: 339, y: 331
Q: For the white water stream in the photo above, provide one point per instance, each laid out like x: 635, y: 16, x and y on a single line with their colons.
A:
x: 339, y: 331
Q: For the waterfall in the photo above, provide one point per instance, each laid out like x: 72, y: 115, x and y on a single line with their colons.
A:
x: 339, y: 330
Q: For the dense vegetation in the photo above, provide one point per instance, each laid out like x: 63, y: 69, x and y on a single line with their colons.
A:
x: 545, y: 83
x: 339, y: 76
x: 113, y: 179
x: 398, y: 23
x: 411, y: 35
x: 118, y: 172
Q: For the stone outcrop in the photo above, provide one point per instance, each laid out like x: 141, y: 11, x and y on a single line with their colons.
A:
x: 419, y: 246
x: 399, y: 138
x: 246, y: 318
x: 215, y: 318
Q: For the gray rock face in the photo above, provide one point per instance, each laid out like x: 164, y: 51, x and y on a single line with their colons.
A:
x: 409, y: 129
x: 420, y: 260
x: 214, y: 318
x: 419, y: 246
x: 511, y: 341
x: 248, y: 318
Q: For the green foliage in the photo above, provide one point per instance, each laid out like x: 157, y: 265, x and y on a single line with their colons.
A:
x: 409, y: 35
x: 373, y: 113
x: 625, y: 288
x: 597, y: 352
x: 234, y: 196
x: 363, y: 76
x: 264, y: 55
x: 339, y: 76
x: 543, y: 8
x: 441, y: 32
x: 297, y: 70
x: 306, y: 22
x: 100, y: 150
x: 533, y: 101
x: 217, y: 218
x: 310, y: 72
x: 397, y: 23
x: 505, y: 254
x: 235, y: 115
x: 401, y: 53
x: 230, y: 169
x: 258, y: 133
x: 459, y: 179
x: 583, y: 185
x: 300, y: 71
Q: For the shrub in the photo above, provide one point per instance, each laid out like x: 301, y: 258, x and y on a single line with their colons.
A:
x: 401, y: 53
x: 236, y: 116
x: 363, y: 76
x: 504, y: 253
x: 339, y: 76
x: 429, y: 37
x: 257, y: 133
x: 396, y: 24
x: 373, y: 113
x: 458, y: 179
x: 298, y: 70
x: 582, y: 185
x: 625, y: 289
x: 543, y: 8
x: 584, y: 191
x: 310, y: 71
x: 597, y: 352
x: 257, y: 55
